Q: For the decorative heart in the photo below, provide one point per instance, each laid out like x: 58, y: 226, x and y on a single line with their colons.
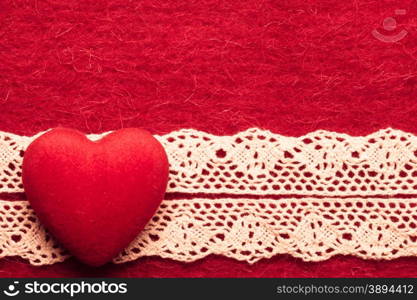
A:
x: 95, y: 197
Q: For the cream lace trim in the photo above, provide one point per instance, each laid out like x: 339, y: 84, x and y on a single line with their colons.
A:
x: 262, y: 163
x: 245, y: 229
x: 356, y: 212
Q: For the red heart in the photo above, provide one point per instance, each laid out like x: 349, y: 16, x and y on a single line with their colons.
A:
x: 95, y: 197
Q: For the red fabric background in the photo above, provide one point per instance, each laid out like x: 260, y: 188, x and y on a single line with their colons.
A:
x: 220, y: 66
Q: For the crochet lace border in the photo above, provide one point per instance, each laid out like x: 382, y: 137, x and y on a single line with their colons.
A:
x: 312, y: 197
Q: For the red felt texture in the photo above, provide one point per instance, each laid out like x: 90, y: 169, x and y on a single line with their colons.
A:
x: 95, y: 197
x: 220, y: 66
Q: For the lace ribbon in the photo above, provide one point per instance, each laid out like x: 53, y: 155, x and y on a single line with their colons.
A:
x: 312, y: 197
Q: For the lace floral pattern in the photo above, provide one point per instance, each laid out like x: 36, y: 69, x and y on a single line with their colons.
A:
x: 262, y: 163
x: 318, y: 195
x: 245, y: 229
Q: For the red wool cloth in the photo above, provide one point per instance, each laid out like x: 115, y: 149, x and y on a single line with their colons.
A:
x: 220, y: 66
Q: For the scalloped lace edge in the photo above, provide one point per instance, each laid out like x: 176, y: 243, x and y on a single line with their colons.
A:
x: 244, y: 229
x: 356, y: 213
x: 259, y: 162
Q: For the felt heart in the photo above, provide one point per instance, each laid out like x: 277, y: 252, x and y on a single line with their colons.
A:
x: 95, y: 197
